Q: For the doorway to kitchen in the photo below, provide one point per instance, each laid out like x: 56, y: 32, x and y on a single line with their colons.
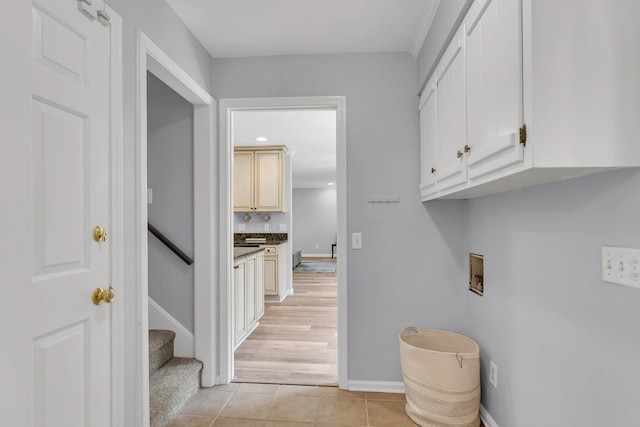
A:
x: 293, y: 111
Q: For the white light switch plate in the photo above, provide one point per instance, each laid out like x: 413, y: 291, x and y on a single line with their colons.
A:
x: 356, y: 240
x: 621, y: 266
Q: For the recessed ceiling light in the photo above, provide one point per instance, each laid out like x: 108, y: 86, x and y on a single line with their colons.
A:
x: 330, y: 183
x: 261, y: 139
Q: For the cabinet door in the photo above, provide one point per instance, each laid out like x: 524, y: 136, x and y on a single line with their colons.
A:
x: 494, y: 85
x: 268, y: 181
x: 243, y: 178
x: 428, y: 137
x: 259, y: 285
x: 250, y: 292
x: 451, y: 115
x: 239, y: 286
x: 270, y: 275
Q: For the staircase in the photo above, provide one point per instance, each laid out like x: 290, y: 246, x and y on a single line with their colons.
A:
x: 172, y: 380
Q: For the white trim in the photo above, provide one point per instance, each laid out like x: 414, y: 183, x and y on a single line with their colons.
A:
x: 117, y: 222
x: 152, y: 58
x: 227, y: 106
x: 486, y: 418
x: 318, y: 256
x: 425, y: 23
x: 159, y: 318
x: 377, y: 386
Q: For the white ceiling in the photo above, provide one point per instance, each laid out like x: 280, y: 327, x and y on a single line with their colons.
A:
x: 309, y: 135
x: 240, y: 28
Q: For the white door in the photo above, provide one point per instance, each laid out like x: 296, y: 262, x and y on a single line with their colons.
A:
x: 56, y: 340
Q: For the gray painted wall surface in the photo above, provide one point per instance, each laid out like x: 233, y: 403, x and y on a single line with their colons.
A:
x: 170, y: 176
x: 160, y: 23
x: 410, y: 262
x: 442, y: 28
x: 566, y: 343
x: 315, y: 219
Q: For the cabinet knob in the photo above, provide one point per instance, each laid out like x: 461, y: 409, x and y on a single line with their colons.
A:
x: 466, y: 148
x: 459, y: 154
x: 433, y: 170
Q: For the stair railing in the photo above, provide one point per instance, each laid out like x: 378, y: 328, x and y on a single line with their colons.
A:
x: 168, y: 243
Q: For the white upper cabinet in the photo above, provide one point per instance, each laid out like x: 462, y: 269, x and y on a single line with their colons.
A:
x: 568, y: 70
x: 428, y: 137
x: 494, y: 86
x: 451, y: 168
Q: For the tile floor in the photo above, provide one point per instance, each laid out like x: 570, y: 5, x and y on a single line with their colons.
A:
x: 272, y: 405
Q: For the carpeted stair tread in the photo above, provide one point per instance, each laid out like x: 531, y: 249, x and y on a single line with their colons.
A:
x: 160, y: 348
x: 170, y: 387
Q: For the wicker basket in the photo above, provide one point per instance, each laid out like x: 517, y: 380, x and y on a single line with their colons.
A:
x: 441, y: 372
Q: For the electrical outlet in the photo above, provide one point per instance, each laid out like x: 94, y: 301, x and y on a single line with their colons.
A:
x: 266, y: 227
x: 493, y: 374
x: 317, y: 246
x: 621, y: 266
x: 282, y: 227
x: 241, y: 227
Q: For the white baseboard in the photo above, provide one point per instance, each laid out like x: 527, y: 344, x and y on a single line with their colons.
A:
x: 317, y: 255
x: 486, y: 418
x: 184, y: 344
x: 376, y: 386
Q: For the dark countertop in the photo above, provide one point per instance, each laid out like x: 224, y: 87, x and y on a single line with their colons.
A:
x: 244, y: 251
x: 271, y: 238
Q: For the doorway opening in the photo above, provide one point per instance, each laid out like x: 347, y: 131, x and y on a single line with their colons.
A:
x: 151, y: 59
x: 232, y: 112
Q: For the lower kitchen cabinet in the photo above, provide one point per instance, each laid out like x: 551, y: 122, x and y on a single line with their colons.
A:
x: 248, y: 295
x: 275, y: 256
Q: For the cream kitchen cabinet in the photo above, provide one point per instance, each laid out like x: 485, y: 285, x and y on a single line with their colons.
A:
x: 258, y: 179
x: 568, y: 74
x: 248, y: 294
x: 275, y: 257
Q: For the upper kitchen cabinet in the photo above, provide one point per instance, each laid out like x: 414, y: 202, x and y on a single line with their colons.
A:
x: 258, y: 179
x: 550, y: 90
x: 428, y: 137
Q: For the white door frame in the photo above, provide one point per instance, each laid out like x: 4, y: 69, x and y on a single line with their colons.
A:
x: 227, y: 107
x: 151, y: 58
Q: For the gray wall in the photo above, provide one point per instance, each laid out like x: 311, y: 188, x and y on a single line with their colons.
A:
x: 170, y: 176
x: 444, y: 25
x: 315, y: 219
x: 566, y: 343
x: 411, y: 254
x: 163, y: 27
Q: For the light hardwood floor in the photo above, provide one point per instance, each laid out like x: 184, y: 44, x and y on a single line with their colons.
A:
x: 296, y: 340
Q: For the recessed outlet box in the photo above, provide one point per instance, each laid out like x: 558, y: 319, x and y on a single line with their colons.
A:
x: 621, y: 266
x: 493, y: 374
x: 476, y: 273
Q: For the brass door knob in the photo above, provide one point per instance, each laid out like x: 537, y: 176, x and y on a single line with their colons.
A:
x: 99, y: 234
x: 459, y: 154
x: 466, y: 148
x: 103, y: 295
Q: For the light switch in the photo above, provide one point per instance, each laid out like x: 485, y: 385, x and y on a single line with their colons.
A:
x: 356, y: 240
x: 621, y: 266
x: 149, y: 196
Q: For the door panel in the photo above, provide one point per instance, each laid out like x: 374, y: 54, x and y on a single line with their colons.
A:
x: 268, y: 184
x: 70, y: 337
x: 428, y: 138
x: 243, y: 182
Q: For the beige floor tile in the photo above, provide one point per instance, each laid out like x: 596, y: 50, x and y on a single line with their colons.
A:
x: 271, y: 389
x: 342, y: 394
x: 235, y: 422
x: 207, y: 402
x: 295, y: 408
x: 252, y: 406
x: 225, y: 387
x: 388, y: 413
x: 299, y: 390
x: 342, y: 412
x: 385, y: 396
x: 287, y: 424
x: 190, y: 421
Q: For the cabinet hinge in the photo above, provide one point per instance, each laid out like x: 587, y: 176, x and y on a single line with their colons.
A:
x: 523, y: 135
